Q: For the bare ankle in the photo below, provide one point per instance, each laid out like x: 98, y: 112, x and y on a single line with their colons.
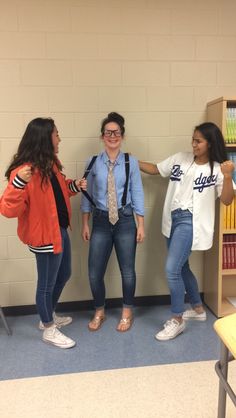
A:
x: 126, y: 313
x: 99, y: 312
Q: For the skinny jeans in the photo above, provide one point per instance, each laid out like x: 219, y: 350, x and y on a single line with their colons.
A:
x: 104, y: 236
x: 54, y: 271
x: 180, y: 277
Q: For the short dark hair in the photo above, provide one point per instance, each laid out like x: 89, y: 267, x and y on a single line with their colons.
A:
x: 114, y: 117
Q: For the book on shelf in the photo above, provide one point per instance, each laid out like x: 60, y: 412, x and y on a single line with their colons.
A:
x: 232, y: 217
x: 232, y: 250
x: 230, y: 136
x: 224, y: 254
x: 232, y: 157
x: 229, y: 252
x: 229, y: 215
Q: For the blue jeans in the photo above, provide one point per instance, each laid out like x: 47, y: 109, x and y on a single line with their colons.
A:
x: 180, y: 277
x: 104, y: 235
x: 54, y: 271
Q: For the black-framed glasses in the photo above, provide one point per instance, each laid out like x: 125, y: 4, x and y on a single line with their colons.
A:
x: 115, y: 132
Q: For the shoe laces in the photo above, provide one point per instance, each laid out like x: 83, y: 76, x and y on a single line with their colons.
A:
x: 53, y: 329
x: 171, y: 324
x: 57, y: 319
x: 58, y: 334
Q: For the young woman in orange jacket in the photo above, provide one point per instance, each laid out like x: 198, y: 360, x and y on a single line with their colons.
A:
x: 38, y: 195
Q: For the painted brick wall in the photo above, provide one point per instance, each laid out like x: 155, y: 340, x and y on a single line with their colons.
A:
x: 156, y: 62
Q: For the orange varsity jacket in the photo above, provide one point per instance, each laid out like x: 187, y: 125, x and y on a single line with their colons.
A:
x: 35, y: 207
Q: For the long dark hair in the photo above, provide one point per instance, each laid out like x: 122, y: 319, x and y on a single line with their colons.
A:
x: 114, y: 117
x: 36, y: 148
x: 213, y: 135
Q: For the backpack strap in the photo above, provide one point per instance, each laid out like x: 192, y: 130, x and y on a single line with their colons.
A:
x: 86, y: 173
x: 127, y: 169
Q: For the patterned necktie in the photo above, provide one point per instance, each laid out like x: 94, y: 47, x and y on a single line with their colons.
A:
x: 112, y: 201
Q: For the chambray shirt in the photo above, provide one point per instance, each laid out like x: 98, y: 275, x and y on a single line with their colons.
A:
x: 97, y: 184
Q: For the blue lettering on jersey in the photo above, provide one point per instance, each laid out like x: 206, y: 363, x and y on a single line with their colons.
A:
x: 202, y: 182
x: 176, y: 173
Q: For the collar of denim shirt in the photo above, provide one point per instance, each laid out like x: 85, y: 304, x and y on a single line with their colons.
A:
x: 117, y: 161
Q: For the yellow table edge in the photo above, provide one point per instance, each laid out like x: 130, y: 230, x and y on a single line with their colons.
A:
x: 226, y: 329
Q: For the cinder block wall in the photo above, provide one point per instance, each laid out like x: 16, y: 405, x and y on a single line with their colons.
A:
x: 157, y: 62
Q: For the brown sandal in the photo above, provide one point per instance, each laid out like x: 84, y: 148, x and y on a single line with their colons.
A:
x: 97, y: 321
x: 126, y: 322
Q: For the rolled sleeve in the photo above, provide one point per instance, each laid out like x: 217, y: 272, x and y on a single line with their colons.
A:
x: 136, y: 188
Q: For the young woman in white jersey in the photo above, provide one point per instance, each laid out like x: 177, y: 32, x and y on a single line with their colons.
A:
x: 196, y: 180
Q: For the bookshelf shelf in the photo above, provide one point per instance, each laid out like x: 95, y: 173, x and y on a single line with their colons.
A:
x: 229, y: 272
x: 219, y: 281
x: 227, y: 308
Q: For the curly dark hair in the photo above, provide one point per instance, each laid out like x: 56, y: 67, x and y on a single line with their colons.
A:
x: 36, y: 148
x: 114, y: 117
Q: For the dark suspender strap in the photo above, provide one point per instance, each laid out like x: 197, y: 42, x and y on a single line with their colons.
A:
x: 86, y: 173
x: 88, y: 197
x: 124, y: 197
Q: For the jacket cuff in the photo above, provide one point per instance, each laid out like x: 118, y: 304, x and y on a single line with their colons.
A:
x: 73, y: 188
x: 18, y: 182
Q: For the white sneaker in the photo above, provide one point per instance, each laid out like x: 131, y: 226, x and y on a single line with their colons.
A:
x: 191, y: 314
x: 53, y: 336
x: 172, y: 328
x: 60, y: 321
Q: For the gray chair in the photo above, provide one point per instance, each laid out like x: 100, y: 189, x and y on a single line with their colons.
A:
x: 5, y: 322
x: 226, y: 330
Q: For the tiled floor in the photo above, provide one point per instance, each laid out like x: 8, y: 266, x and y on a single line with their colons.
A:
x: 183, y: 390
x: 25, y: 355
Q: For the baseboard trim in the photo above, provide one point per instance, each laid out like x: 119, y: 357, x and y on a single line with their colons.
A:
x: 84, y: 305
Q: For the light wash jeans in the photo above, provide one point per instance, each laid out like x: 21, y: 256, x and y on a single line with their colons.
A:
x: 104, y: 235
x: 180, y: 277
x: 54, y: 271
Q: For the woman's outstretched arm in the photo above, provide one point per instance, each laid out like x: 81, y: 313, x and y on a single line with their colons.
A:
x: 148, y: 168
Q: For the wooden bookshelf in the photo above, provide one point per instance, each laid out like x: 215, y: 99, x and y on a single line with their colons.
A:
x: 220, y: 283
